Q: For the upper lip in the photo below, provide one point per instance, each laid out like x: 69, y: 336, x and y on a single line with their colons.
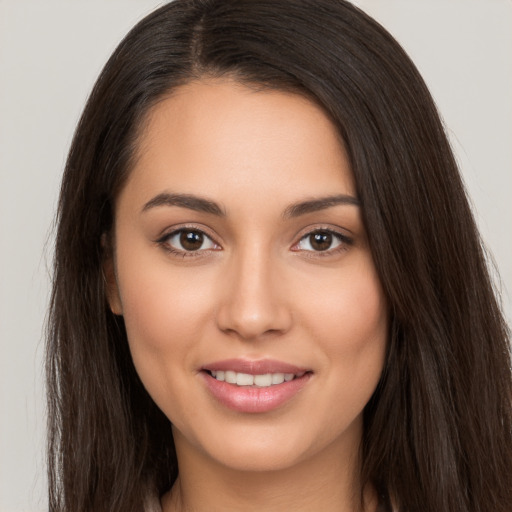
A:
x: 255, y: 367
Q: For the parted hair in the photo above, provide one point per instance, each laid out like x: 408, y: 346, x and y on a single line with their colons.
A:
x: 438, y: 430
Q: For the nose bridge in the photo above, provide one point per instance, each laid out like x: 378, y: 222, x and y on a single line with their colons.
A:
x: 252, y: 304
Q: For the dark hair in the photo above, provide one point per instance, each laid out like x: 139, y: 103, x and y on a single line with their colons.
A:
x: 438, y: 429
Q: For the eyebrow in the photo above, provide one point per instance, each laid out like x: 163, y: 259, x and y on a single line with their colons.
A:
x: 315, y: 205
x: 189, y: 201
x: 200, y: 204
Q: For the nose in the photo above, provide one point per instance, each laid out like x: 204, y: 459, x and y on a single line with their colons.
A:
x: 254, y: 299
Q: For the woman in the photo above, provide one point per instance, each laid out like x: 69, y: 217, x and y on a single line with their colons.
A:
x: 269, y: 290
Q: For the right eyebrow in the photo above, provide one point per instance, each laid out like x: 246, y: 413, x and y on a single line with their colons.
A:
x: 192, y: 202
x: 322, y: 203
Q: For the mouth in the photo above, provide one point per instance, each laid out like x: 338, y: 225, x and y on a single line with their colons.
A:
x: 254, y: 386
x: 263, y: 380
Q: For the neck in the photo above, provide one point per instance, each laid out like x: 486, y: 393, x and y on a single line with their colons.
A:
x: 327, y: 482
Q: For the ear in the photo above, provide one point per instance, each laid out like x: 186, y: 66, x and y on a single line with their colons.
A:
x: 109, y: 274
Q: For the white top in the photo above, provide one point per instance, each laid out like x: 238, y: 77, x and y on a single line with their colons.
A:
x: 153, y: 504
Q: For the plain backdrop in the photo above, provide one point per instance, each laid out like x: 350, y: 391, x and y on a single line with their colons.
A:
x: 50, y: 54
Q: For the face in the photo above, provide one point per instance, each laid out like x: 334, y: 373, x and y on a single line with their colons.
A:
x: 254, y: 314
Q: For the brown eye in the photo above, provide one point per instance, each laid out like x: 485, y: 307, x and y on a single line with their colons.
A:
x: 321, y: 241
x: 188, y: 241
x: 191, y: 240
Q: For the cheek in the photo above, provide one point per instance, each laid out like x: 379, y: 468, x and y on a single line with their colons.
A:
x: 164, y: 313
x: 349, y: 319
x: 350, y: 304
x: 351, y: 328
x: 160, y: 304
x: 164, y: 310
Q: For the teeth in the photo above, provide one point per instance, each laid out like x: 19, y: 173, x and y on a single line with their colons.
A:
x: 277, y: 378
x: 245, y: 379
x: 230, y: 377
x: 263, y: 381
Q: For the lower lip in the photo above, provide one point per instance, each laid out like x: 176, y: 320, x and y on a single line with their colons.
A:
x: 252, y: 399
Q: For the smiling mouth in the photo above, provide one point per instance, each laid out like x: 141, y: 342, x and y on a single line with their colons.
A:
x: 254, y: 386
x: 264, y: 380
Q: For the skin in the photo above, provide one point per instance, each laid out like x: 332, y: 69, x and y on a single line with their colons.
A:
x: 256, y: 288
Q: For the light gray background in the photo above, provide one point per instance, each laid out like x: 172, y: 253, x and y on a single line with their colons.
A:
x: 50, y: 54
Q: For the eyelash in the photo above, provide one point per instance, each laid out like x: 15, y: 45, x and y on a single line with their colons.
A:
x: 164, y: 242
x: 344, y: 242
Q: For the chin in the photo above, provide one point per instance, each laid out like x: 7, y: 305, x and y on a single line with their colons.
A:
x: 256, y: 460
x: 266, y: 448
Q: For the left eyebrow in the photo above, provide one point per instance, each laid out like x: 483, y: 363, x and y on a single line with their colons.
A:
x: 314, y: 205
x: 189, y: 201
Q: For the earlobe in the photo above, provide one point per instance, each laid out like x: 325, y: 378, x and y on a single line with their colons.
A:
x: 109, y: 276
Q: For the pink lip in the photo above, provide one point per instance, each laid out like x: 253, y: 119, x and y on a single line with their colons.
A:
x: 259, y: 367
x: 252, y: 399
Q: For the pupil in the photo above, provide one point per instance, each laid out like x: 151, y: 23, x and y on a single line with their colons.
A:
x: 321, y: 241
x: 191, y: 240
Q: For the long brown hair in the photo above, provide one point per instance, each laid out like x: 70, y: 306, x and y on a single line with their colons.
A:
x: 438, y: 430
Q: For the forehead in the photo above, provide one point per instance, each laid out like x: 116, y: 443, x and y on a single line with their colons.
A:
x: 211, y: 134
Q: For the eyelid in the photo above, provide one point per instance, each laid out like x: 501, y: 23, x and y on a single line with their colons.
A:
x: 345, y: 240
x: 172, y: 231
x: 191, y: 226
x: 338, y: 232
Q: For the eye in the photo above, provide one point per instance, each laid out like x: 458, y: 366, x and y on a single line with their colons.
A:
x: 188, y: 240
x: 322, y: 241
